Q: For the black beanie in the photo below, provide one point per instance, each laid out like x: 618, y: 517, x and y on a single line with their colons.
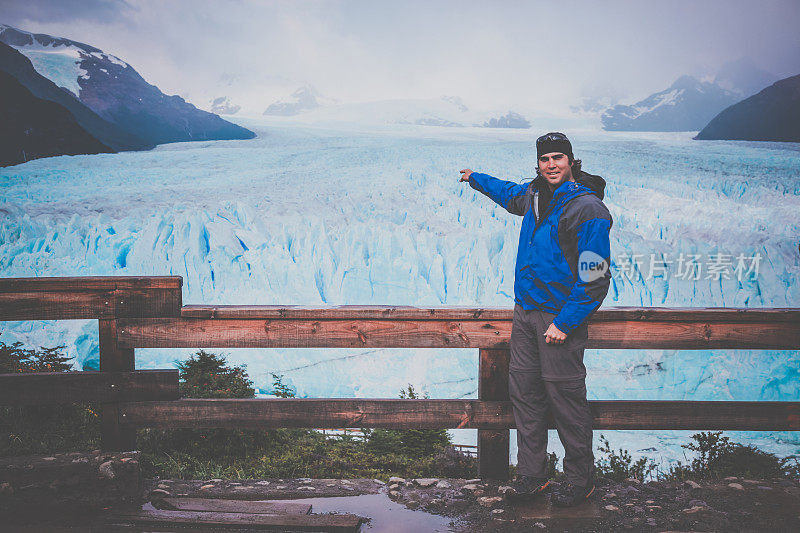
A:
x: 554, y: 142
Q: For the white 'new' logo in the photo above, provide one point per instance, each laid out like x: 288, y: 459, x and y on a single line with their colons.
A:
x: 591, y: 266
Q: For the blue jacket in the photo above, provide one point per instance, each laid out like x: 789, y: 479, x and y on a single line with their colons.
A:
x: 564, y: 254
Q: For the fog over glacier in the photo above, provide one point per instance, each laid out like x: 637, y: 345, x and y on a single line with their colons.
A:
x: 312, y: 214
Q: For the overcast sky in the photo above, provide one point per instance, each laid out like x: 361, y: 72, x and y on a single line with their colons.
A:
x: 537, y: 55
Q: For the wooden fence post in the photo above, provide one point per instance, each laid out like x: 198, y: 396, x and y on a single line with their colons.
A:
x: 493, y: 385
x: 114, y: 435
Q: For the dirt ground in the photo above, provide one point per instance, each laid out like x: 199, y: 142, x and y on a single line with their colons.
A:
x: 732, y: 504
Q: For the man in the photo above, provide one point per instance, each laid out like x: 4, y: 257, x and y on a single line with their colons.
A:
x: 561, y: 279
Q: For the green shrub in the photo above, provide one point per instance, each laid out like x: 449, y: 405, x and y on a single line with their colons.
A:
x: 620, y: 465
x: 280, y: 389
x: 414, y: 442
x: 44, y: 429
x: 14, y: 359
x: 206, y: 375
x: 718, y: 457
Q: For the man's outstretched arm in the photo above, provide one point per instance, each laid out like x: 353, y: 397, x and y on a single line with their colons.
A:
x: 509, y: 195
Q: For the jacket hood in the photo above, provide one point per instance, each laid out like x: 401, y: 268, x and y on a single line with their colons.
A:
x: 595, y: 183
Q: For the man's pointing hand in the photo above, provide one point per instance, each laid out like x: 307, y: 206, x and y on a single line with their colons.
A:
x: 465, y: 174
x: 553, y: 335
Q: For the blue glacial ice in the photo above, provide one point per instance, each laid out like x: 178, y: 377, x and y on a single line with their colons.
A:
x: 311, y: 214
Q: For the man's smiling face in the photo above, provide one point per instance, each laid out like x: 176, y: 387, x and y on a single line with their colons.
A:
x: 556, y: 168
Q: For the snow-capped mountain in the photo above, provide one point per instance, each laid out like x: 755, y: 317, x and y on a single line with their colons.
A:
x: 302, y: 100
x: 19, y: 67
x: 33, y: 127
x: 687, y: 105
x: 771, y: 115
x: 509, y: 120
x: 222, y: 105
x: 116, y: 92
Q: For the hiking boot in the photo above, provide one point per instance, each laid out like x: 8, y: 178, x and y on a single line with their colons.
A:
x: 526, y: 487
x: 569, y: 495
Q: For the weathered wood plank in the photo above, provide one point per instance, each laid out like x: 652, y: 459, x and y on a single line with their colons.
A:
x: 364, y: 333
x: 458, y: 414
x: 41, y: 305
x: 234, y: 506
x: 114, y: 436
x: 258, y: 522
x: 55, y: 284
x: 63, y: 387
x: 80, y: 304
x: 384, y: 312
x: 493, y: 445
x: 243, y: 333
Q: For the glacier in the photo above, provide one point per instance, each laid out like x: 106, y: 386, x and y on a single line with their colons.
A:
x: 324, y: 213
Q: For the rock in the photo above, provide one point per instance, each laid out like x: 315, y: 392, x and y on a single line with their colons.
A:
x: 633, y: 480
x: 107, y: 470
x: 6, y: 488
x: 443, y: 485
x: 280, y: 487
x: 162, y: 486
x: 412, y: 504
x: 751, y: 481
x: 265, y: 483
x: 304, y: 480
x: 476, y: 480
x: 48, y: 459
x: 612, y: 508
x: 159, y: 493
x: 436, y: 502
x: 394, y: 486
x: 499, y: 512
x: 490, y: 501
x: 470, y: 487
x: 694, y: 510
x: 125, y: 459
x: 215, y: 480
x: 504, y: 489
x: 330, y: 484
x: 735, y: 486
x: 764, y: 487
x: 651, y: 522
x: 397, y: 480
x: 731, y: 478
x: 426, y: 482
x: 208, y: 486
x: 306, y: 487
x: 378, y: 481
x: 394, y: 494
x: 539, y: 525
x: 652, y: 508
x: 610, y: 495
x: 692, y: 484
x: 80, y: 460
x: 697, y: 503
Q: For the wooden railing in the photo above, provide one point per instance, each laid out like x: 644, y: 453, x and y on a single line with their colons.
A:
x: 147, y: 313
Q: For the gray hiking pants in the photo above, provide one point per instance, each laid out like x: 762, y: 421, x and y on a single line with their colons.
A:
x: 549, y: 378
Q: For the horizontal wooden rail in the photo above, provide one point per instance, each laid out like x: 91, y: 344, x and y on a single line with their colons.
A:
x: 323, y: 332
x: 64, y: 387
x: 401, y: 312
x: 457, y: 414
x: 90, y: 297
